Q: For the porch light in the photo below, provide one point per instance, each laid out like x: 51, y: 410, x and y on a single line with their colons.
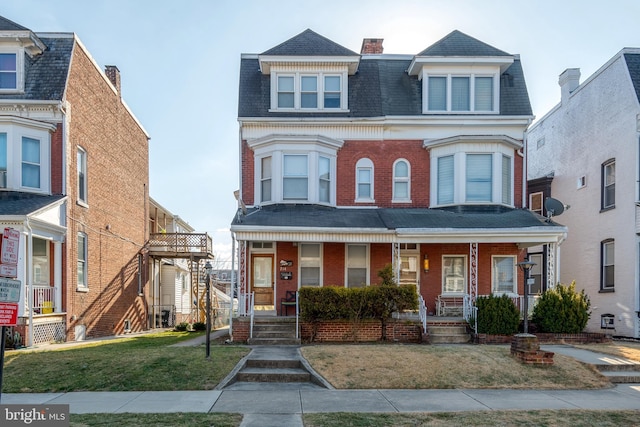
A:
x: 526, y: 266
x: 425, y: 263
x: 208, y: 268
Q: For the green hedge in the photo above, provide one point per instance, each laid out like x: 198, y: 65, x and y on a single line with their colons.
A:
x: 562, y: 310
x: 371, y: 302
x: 497, y: 315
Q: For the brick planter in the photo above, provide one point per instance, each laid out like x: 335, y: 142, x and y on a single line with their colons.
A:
x: 525, y: 347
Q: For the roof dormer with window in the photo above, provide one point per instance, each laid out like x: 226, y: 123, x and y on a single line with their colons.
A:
x: 15, y: 42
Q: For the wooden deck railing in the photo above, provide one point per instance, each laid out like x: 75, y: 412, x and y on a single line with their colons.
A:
x: 181, y: 242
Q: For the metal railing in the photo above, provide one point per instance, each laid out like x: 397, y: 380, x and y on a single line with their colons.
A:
x: 44, y: 298
x: 470, y: 312
x: 422, y: 313
x: 180, y: 242
x: 518, y: 300
x: 251, y: 314
x: 297, y: 315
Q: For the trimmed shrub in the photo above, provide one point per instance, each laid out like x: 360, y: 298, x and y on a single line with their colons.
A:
x: 497, y: 315
x: 182, y: 326
x: 562, y: 310
x: 199, y: 326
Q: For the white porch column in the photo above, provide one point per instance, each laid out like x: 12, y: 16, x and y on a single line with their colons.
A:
x: 57, y: 276
x: 395, y: 260
x: 473, y: 271
x: 552, y: 249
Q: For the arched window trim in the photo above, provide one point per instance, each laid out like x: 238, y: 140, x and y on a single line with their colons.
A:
x: 401, y: 180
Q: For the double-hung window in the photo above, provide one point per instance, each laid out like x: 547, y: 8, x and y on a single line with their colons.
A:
x: 40, y: 261
x: 265, y: 179
x: 607, y: 265
x: 295, y: 180
x: 286, y: 92
x: 445, y: 180
x: 609, y: 184
x: 506, y: 180
x: 324, y: 179
x: 364, y: 180
x: 82, y: 175
x: 8, y: 71
x: 503, y: 273
x: 409, y: 264
x: 332, y: 91
x: 82, y: 261
x: 356, y: 266
x: 30, y: 162
x: 310, y: 264
x: 479, y: 173
x: 401, y: 181
x: 460, y: 93
x: 309, y: 91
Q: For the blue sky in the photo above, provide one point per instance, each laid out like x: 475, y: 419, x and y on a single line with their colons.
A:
x: 179, y: 62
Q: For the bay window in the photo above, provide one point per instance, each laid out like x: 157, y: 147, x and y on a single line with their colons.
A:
x: 265, y: 179
x: 295, y: 177
x: 3, y: 160
x: 478, y: 178
x: 30, y: 162
x: 324, y: 179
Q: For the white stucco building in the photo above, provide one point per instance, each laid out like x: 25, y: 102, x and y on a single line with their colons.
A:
x: 585, y: 152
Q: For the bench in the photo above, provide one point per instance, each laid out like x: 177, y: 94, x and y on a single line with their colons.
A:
x: 288, y: 301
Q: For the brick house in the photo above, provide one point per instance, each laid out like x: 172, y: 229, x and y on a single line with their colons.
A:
x: 584, y: 152
x: 349, y: 162
x: 74, y: 180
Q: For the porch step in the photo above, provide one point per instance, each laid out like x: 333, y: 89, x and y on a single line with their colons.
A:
x: 273, y: 371
x: 454, y: 334
x: 274, y: 331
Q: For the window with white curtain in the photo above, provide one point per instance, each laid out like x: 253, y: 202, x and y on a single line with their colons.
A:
x: 265, y: 179
x: 454, y: 274
x: 479, y: 171
x: 401, y: 181
x: 445, y: 180
x: 30, y: 162
x: 295, y: 181
x: 324, y: 179
x: 357, y: 266
x: 437, y: 93
x: 364, y: 180
x: 483, y: 94
x: 503, y: 273
x: 506, y: 180
x: 310, y: 264
x: 460, y: 94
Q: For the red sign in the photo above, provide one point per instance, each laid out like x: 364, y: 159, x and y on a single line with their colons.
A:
x: 8, y: 314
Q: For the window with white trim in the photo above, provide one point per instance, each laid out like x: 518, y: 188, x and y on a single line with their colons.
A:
x: 503, y: 275
x: 401, y: 181
x: 445, y: 180
x: 454, y: 274
x: 507, y: 180
x: 30, y: 162
x: 82, y: 261
x: 479, y: 172
x: 324, y: 179
x: 8, y: 71
x: 317, y: 91
x: 41, y: 264
x: 609, y: 184
x: 409, y: 255
x: 607, y: 265
x: 310, y: 264
x: 460, y: 93
x: 364, y: 180
x: 357, y: 271
x: 295, y: 177
x: 3, y: 160
x: 265, y: 179
x: 82, y: 175
x: 535, y: 202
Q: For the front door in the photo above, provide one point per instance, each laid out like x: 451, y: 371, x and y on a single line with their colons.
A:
x: 262, y: 278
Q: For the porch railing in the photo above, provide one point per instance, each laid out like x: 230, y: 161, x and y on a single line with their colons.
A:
x: 422, y: 313
x: 181, y: 242
x: 470, y: 313
x: 518, y: 300
x: 44, y: 299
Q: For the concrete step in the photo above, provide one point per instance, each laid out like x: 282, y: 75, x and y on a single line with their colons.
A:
x: 271, y: 375
x: 273, y: 364
x: 448, y: 330
x: 273, y: 341
x: 449, y: 339
x: 622, y: 377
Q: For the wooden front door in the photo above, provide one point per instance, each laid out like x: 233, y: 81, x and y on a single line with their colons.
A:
x: 262, y: 278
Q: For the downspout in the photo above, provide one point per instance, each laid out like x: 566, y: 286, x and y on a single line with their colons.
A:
x: 28, y: 278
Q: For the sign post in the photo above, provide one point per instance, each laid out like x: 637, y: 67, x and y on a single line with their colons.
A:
x: 9, y: 288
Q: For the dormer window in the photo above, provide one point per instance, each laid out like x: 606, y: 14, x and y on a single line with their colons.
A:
x: 8, y: 71
x: 460, y: 93
x: 309, y: 92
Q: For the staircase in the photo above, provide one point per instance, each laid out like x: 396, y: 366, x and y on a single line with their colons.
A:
x: 274, y: 331
x: 448, y: 332
x: 621, y: 374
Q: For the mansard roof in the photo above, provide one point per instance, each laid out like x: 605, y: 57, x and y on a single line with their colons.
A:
x: 308, y: 43
x: 457, y: 43
x: 633, y: 65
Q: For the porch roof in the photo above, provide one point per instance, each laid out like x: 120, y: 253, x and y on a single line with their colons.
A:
x: 16, y: 203
x: 478, y: 223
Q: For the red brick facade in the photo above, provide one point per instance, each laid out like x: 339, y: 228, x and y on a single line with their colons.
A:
x: 115, y: 216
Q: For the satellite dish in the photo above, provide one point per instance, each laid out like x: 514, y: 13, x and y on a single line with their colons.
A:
x: 554, y: 207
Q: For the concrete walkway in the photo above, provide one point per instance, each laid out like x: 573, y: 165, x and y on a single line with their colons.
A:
x: 283, y: 404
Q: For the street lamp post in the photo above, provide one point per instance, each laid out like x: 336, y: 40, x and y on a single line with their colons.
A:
x: 525, y: 266
x: 207, y: 280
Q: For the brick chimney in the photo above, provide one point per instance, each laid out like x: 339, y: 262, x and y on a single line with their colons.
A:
x: 569, y: 81
x: 371, y: 47
x: 113, y: 74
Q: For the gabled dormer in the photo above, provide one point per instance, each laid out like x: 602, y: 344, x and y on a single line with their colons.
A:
x: 15, y: 42
x: 460, y: 75
x: 309, y: 73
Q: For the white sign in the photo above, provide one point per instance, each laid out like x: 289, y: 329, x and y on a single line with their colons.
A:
x: 9, y: 290
x: 10, y: 240
x: 9, y: 270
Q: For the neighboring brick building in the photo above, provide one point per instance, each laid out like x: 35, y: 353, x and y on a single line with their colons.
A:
x: 75, y: 169
x: 353, y: 161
